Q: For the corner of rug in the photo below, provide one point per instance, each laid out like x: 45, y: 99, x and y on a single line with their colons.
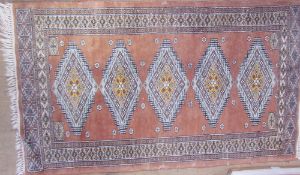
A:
x: 7, y: 48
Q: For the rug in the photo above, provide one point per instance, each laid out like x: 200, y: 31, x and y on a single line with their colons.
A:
x: 127, y: 86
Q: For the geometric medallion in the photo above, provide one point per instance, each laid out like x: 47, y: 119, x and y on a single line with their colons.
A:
x: 255, y: 81
x: 212, y: 82
x: 166, y: 84
x: 121, y: 86
x: 74, y: 88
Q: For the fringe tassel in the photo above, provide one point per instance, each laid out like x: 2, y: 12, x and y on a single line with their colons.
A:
x: 7, y: 48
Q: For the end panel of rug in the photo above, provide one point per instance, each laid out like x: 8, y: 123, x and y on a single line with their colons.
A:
x: 7, y: 47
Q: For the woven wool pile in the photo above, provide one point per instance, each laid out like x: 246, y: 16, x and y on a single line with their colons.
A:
x: 128, y: 86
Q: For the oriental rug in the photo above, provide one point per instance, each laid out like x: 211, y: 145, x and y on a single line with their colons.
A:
x: 127, y: 86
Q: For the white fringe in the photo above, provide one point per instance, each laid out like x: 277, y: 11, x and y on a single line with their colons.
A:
x: 7, y: 48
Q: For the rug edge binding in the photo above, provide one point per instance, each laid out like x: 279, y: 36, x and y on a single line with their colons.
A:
x: 7, y: 42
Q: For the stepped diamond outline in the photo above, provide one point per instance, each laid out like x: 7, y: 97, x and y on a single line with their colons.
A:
x: 74, y: 87
x: 167, y: 68
x: 255, y: 103
x: 212, y: 71
x: 120, y: 74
